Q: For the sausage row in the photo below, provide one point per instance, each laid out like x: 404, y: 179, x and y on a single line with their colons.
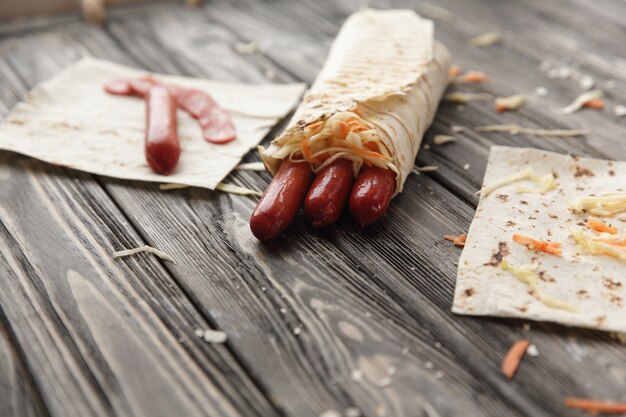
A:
x: 323, y: 197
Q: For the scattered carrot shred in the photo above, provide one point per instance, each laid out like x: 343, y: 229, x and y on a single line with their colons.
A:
x: 473, y: 77
x: 553, y: 248
x: 500, y: 108
x: 599, y: 226
x: 595, y: 407
x: 457, y: 240
x: 596, y: 103
x: 454, y: 70
x: 513, y: 358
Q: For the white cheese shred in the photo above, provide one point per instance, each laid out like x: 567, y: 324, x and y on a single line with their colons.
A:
x: 427, y: 168
x: 330, y: 413
x: 236, y: 189
x: 434, y: 12
x: 516, y: 130
x: 251, y: 166
x: 604, y: 206
x: 528, y: 275
x: 227, y: 188
x: 581, y: 100
x: 459, y: 97
x: 619, y: 110
x: 172, y: 186
x: 145, y: 248
x: 485, y: 39
x: 213, y: 336
x: 509, y: 103
x: 247, y: 48
x: 545, y: 183
x: 443, y: 139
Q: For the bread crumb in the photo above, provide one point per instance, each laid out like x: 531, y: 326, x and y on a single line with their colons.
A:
x: 532, y: 351
x: 484, y: 39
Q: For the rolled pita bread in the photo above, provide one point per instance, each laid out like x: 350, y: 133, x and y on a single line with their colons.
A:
x: 374, y: 98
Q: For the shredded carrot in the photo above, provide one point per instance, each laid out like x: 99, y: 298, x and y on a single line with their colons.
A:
x: 552, y: 248
x: 596, y: 103
x: 344, y: 129
x: 457, y: 240
x: 315, y: 124
x: 357, y: 125
x: 306, y: 152
x: 371, y: 146
x: 594, y: 407
x: 599, y: 226
x: 357, y: 111
x: 613, y: 242
x: 454, y: 70
x: 500, y: 108
x: 473, y: 77
x: 513, y: 358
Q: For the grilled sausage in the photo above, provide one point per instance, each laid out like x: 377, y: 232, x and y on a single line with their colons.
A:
x: 281, y: 200
x: 161, y: 142
x: 329, y: 193
x: 217, y: 127
x: 371, y: 194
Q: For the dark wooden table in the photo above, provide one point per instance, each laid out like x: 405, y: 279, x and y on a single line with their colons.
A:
x: 320, y: 320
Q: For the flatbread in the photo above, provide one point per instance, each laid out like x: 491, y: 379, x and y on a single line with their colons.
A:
x: 386, y: 67
x: 70, y: 121
x: 595, y: 285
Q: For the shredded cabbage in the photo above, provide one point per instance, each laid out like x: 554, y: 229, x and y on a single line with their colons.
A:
x: 528, y: 275
x: 607, y: 205
x: 605, y: 244
x: 545, y: 182
x: 322, y: 143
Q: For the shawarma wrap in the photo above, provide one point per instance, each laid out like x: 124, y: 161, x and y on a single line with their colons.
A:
x: 374, y: 98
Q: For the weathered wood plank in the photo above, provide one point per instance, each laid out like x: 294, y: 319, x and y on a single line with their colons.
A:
x: 461, y: 343
x: 272, y: 269
x: 18, y: 395
x: 103, y: 336
x: 358, y: 297
x: 558, y: 363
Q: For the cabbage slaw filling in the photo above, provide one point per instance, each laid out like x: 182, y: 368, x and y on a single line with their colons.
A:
x: 604, y: 206
x: 343, y: 135
x: 606, y: 244
x: 529, y: 276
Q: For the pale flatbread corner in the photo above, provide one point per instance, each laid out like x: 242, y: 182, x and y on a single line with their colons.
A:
x: 70, y: 121
x: 581, y: 285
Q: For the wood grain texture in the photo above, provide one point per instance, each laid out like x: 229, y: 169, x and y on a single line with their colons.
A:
x: 103, y: 336
x: 302, y: 314
x: 19, y: 395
